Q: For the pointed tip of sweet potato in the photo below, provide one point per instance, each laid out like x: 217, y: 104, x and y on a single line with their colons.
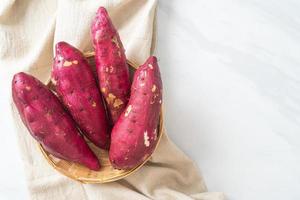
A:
x: 92, y: 164
x: 103, y: 16
x: 150, y: 64
x: 60, y: 46
x: 66, y: 55
x: 15, y: 84
x: 20, y: 81
x: 64, y: 49
x: 19, y: 76
x: 102, y: 11
x: 152, y: 59
x: 102, y: 20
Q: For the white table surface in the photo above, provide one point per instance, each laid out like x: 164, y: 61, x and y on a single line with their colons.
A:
x: 231, y: 73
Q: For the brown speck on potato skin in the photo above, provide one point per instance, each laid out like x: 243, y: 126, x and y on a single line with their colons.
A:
x: 150, y: 66
x: 115, y: 40
x: 128, y: 110
x: 153, y: 88
x: 146, y: 139
x: 117, y: 103
x: 110, y: 98
x: 67, y: 63
x: 111, y: 69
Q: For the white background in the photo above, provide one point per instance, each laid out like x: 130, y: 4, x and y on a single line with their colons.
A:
x: 231, y: 73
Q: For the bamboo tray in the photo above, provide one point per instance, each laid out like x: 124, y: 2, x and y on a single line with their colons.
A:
x: 107, y: 173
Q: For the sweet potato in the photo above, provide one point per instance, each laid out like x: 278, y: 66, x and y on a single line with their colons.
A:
x: 134, y: 135
x: 111, y: 64
x: 48, y: 122
x: 77, y: 88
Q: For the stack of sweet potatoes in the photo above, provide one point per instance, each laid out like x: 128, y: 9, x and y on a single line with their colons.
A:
x: 108, y: 110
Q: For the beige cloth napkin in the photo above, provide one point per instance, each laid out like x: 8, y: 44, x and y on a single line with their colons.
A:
x: 28, y: 32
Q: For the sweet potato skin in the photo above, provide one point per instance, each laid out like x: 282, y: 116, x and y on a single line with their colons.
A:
x: 112, y: 69
x: 134, y: 136
x: 48, y: 122
x: 77, y: 88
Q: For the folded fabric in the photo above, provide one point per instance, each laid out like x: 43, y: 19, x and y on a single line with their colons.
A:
x: 29, y: 30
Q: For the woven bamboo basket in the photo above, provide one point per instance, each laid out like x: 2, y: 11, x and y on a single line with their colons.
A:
x: 107, y: 173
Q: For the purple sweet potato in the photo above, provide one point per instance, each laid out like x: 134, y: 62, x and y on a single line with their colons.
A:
x: 48, y: 122
x: 77, y: 88
x: 112, y: 69
x: 134, y: 135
